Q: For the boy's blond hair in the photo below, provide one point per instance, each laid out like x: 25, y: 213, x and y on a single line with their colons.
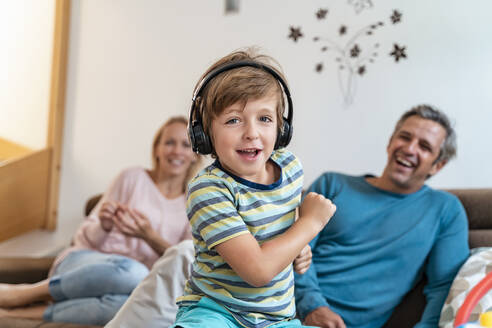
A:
x: 239, y: 85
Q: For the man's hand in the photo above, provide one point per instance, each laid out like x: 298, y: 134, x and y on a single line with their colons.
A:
x: 325, y: 318
x: 303, y: 260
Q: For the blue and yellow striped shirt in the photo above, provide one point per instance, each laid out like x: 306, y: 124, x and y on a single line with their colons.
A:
x: 222, y: 206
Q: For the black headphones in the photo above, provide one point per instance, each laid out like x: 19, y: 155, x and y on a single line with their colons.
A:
x: 200, y: 141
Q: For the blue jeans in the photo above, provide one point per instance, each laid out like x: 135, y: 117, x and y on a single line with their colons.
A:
x: 89, y: 287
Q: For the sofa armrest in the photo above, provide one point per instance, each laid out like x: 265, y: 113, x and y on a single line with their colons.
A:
x: 17, y: 270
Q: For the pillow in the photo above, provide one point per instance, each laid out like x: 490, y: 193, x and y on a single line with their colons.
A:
x: 153, y: 303
x: 476, y: 267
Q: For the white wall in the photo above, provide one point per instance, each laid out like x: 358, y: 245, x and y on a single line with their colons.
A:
x: 26, y: 37
x: 132, y: 64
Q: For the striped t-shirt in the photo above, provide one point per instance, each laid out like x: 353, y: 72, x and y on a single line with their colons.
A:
x: 222, y: 206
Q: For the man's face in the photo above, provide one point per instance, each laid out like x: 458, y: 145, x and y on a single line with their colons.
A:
x: 412, y: 153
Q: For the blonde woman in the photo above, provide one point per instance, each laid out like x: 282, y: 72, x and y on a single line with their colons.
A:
x: 139, y: 217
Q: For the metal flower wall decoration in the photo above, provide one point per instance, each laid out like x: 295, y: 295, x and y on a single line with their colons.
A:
x: 354, y: 51
x: 360, y: 5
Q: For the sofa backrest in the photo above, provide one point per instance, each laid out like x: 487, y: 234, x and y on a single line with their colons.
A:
x: 477, y: 204
x: 478, y: 207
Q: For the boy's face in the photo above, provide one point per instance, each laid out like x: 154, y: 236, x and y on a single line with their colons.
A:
x: 244, y: 137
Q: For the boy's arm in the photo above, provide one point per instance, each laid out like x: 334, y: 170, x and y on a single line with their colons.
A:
x: 259, y: 264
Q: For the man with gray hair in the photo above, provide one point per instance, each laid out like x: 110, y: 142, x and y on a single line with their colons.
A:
x: 387, y: 233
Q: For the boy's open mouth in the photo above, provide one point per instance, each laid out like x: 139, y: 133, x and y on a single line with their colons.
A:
x: 250, y: 152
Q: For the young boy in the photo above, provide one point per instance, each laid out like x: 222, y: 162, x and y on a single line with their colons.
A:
x: 242, y: 207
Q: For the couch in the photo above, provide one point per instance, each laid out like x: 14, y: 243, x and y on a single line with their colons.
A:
x: 477, y: 203
x: 30, y: 270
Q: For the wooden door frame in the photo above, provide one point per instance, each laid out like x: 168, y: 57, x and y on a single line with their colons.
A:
x: 57, y: 107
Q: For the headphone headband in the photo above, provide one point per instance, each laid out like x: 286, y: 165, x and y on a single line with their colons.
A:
x: 201, y: 142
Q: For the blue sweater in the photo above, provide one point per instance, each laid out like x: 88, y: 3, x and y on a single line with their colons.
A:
x: 376, y: 248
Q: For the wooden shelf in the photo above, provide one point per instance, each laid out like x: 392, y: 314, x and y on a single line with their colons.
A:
x: 10, y: 150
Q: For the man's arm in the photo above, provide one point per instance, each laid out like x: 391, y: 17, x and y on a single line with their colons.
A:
x: 310, y: 301
x: 311, y: 304
x: 449, y: 252
x: 308, y: 294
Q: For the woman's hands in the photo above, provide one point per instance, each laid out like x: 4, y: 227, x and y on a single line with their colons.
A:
x: 107, y: 214
x: 131, y: 223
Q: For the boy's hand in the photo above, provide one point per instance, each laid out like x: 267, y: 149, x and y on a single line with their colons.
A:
x: 317, y: 208
x: 303, y: 260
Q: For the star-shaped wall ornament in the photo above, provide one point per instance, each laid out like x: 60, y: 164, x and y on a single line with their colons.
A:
x: 295, y: 33
x: 398, y: 52
x: 342, y: 30
x: 321, y: 13
x: 396, y: 17
x: 355, y: 51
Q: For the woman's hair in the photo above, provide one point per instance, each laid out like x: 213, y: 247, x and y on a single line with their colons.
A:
x: 195, y: 165
x: 239, y: 85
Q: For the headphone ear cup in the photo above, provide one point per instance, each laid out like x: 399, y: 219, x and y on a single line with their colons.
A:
x: 284, y: 136
x: 200, y: 142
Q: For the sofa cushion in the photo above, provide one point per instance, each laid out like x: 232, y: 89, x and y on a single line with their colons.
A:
x: 470, y: 274
x: 15, y: 270
x: 27, y: 323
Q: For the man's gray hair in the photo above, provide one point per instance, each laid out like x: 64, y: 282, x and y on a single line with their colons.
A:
x: 448, y: 147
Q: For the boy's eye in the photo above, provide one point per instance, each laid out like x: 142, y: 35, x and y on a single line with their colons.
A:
x: 232, y: 121
x: 266, y: 119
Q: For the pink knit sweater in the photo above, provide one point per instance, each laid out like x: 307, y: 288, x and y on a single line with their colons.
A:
x: 135, y: 188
